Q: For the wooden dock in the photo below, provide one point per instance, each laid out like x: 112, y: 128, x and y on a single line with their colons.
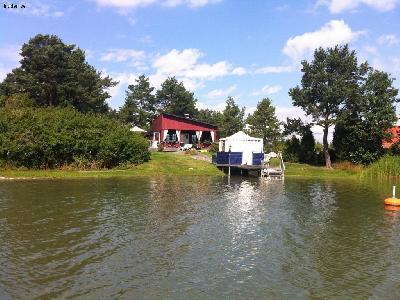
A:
x: 264, y: 169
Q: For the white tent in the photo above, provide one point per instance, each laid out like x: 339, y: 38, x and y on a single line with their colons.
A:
x: 242, y: 142
x: 137, y: 129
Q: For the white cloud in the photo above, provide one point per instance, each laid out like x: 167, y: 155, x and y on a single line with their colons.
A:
x: 370, y: 50
x: 3, y: 73
x: 127, y: 4
x: 239, y: 71
x: 177, y: 61
x: 274, y: 69
x: 216, y: 107
x: 333, y: 33
x: 120, y: 55
x: 388, y: 39
x: 124, y: 3
x: 338, y: 6
x: 221, y: 93
x: 117, y: 91
x: 267, y: 90
x: 186, y: 67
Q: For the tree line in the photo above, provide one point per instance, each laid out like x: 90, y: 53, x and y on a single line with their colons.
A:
x: 336, y: 91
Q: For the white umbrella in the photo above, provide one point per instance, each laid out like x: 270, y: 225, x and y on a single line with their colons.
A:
x: 137, y: 129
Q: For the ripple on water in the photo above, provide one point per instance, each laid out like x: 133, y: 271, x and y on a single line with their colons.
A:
x: 197, y: 238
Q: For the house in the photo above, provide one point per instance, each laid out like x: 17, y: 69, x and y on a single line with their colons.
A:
x: 244, y: 149
x: 395, y: 137
x: 172, y: 131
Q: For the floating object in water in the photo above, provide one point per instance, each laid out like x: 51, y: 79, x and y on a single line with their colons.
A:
x: 393, y: 201
x: 392, y: 207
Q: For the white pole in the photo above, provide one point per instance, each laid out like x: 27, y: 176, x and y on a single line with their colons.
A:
x: 394, y: 191
x: 229, y: 161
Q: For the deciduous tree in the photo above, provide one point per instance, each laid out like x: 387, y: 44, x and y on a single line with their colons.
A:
x: 364, y: 119
x: 328, y: 81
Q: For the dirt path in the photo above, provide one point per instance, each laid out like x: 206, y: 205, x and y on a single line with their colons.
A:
x: 198, y: 156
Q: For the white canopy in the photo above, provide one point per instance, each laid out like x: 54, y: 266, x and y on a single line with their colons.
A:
x: 241, y: 136
x: 242, y: 142
x: 137, y: 129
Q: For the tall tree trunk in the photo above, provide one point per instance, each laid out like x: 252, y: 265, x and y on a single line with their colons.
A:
x: 326, y: 147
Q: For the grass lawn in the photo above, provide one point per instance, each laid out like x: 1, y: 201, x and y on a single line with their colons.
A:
x: 161, y: 163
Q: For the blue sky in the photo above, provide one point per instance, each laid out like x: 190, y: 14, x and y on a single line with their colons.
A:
x: 218, y: 48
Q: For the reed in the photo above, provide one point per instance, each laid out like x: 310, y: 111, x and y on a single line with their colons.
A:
x: 387, y: 166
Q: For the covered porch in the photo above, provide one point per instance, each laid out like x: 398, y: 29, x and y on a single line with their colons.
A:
x: 175, y: 138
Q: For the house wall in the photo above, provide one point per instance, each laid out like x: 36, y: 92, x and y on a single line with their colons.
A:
x: 164, y: 122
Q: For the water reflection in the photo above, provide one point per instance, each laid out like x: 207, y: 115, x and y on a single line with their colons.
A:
x: 197, y: 237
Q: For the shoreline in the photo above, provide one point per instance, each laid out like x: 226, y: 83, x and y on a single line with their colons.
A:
x: 171, y: 164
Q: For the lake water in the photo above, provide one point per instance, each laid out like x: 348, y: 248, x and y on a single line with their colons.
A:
x: 192, y: 238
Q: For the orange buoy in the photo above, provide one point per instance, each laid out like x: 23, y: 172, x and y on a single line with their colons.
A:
x: 393, y: 201
x: 392, y: 207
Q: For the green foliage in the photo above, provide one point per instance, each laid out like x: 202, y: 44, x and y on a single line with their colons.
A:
x: 264, y: 124
x: 303, y: 150
x: 327, y: 82
x: 386, y: 166
x: 55, y: 74
x: 365, y: 118
x: 140, y: 104
x: 395, y: 149
x: 53, y: 137
x: 291, y: 151
x: 214, y: 148
x: 175, y: 99
x: 18, y: 100
x: 231, y: 119
x: 209, y: 116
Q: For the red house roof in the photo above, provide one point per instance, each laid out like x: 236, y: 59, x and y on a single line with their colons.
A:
x: 169, y: 121
x: 395, y: 137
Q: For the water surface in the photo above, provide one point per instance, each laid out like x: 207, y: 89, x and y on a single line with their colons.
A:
x: 198, y: 238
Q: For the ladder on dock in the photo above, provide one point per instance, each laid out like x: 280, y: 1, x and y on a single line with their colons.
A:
x: 269, y: 172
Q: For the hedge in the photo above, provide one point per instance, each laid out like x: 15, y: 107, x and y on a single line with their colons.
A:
x: 55, y: 137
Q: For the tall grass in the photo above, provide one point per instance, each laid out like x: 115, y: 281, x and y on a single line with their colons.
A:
x: 387, y: 166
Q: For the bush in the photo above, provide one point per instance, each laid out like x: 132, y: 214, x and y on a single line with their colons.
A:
x: 214, y: 148
x: 55, y: 137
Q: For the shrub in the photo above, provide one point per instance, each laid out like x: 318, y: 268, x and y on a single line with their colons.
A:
x: 55, y: 137
x: 214, y: 148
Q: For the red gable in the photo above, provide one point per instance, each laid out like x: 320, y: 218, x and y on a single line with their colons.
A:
x: 168, y: 121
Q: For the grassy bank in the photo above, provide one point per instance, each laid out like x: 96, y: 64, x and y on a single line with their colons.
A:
x: 160, y: 164
x: 184, y: 165
x: 304, y: 170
